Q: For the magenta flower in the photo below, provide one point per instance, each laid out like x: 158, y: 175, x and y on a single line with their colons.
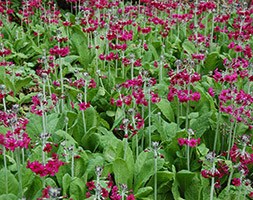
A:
x: 50, y: 168
x: 192, y: 142
x: 130, y: 197
x: 90, y: 185
x: 83, y: 106
x: 57, y: 51
x: 195, y: 96
x: 182, y: 141
x: 236, y: 182
x: 211, y: 92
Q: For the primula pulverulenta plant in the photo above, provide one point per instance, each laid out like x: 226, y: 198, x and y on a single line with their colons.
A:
x: 105, y: 189
x: 180, y: 87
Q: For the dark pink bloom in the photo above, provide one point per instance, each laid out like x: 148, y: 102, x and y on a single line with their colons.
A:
x: 182, y: 141
x: 90, y: 185
x: 130, y: 197
x: 195, y: 96
x: 211, y: 92
x: 83, y: 106
x: 47, y: 148
x: 236, y: 181
x: 57, y: 51
x: 192, y: 142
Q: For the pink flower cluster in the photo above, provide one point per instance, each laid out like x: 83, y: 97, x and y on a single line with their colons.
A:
x: 177, y: 86
x: 115, y: 194
x: 5, y: 52
x: 80, y: 83
x: 12, y: 141
x: 5, y: 8
x: 219, y: 171
x: 183, y: 77
x: 50, y: 168
x: 57, y: 51
x: 239, y: 48
x: 237, y: 68
x: 188, y: 142
x: 131, y: 126
x: 237, y: 104
x: 18, y: 138
x: 200, y: 39
x: 111, y: 191
x: 110, y: 57
x: 91, y: 186
x: 183, y: 95
x: 35, y: 107
x: 83, y: 106
x: 238, y: 155
x: 137, y: 94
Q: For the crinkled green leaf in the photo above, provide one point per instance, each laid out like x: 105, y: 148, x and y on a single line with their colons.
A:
x: 13, y: 184
x: 165, y: 108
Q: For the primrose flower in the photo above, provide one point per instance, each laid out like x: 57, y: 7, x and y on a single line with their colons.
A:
x: 83, y: 106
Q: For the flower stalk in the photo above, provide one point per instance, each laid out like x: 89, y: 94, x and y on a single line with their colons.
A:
x: 155, y: 147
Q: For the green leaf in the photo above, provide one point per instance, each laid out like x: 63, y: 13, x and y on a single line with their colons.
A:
x: 26, y: 98
x: 184, y: 178
x: 110, y: 154
x: 154, y: 52
x: 143, y: 192
x: 79, y: 167
x: 91, y: 118
x: 121, y: 171
x: 110, y: 113
x: 80, y: 43
x: 65, y: 169
x: 144, y: 168
x: 35, y: 187
x: 129, y: 160
x: 233, y: 194
x: 175, y: 191
x: 70, y: 58
x: 77, y: 188
x: 13, y: 184
x: 55, y: 122
x: 27, y: 177
x: 163, y: 179
x: 189, y: 47
x: 201, y: 124
x: 20, y: 55
x: 8, y: 197
x: 193, y: 115
x: 211, y: 62
x: 61, y: 135
x: 166, y: 130
x: 66, y: 180
x: 3, y: 129
x: 164, y: 176
x: 91, y: 140
x: 9, y: 84
x: 11, y: 99
x: 118, y: 118
x: 202, y: 149
x: 206, y: 102
x: 101, y: 91
x: 51, y: 182
x: 95, y: 160
x: 165, y: 108
x: 19, y: 84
